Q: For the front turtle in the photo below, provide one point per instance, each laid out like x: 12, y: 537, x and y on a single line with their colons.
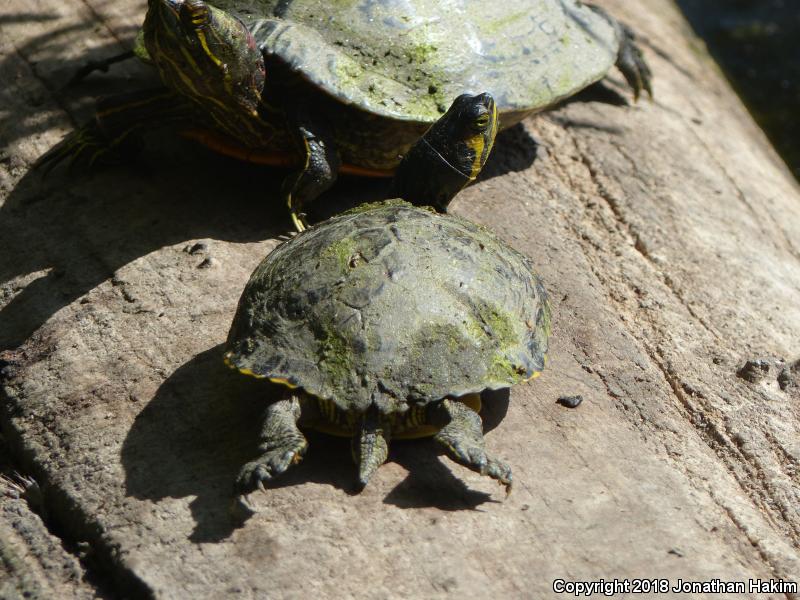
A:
x: 325, y: 84
x: 387, y: 320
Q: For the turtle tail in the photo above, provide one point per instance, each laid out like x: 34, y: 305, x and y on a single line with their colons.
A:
x: 370, y: 446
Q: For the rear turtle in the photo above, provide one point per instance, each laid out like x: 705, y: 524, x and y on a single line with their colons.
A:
x: 387, y: 321
x: 335, y: 86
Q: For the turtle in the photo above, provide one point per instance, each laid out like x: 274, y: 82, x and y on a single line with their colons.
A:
x: 387, y: 321
x: 330, y: 87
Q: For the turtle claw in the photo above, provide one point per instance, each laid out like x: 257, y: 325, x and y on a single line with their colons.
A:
x: 501, y: 473
x: 475, y: 458
x: 630, y: 60
x: 269, y: 465
x: 631, y: 63
x: 299, y: 221
x: 82, y: 150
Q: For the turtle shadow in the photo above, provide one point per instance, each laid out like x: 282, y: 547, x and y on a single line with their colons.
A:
x: 515, y: 150
x: 64, y: 234
x: 48, y: 55
x: 600, y: 92
x: 203, y: 424
x: 68, y: 233
x: 193, y: 436
x: 433, y: 479
x: 67, y: 236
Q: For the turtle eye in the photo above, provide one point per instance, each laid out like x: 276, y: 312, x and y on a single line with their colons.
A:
x: 481, y: 122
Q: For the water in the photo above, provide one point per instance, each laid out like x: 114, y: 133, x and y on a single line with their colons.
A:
x: 757, y: 44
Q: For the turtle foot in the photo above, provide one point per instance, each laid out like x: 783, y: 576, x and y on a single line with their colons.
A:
x: 83, y: 149
x: 475, y: 458
x: 462, y: 438
x: 269, y: 465
x: 631, y: 63
x: 630, y: 60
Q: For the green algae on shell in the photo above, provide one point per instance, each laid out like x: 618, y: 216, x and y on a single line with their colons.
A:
x: 425, y: 306
x: 408, y: 62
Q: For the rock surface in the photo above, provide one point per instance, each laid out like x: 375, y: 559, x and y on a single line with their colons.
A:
x: 668, y: 234
x: 35, y: 565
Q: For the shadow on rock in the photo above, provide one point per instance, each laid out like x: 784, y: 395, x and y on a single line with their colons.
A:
x: 203, y: 424
x: 67, y: 234
x: 433, y: 479
x: 192, y: 438
x: 514, y: 150
x: 70, y: 232
x: 602, y: 93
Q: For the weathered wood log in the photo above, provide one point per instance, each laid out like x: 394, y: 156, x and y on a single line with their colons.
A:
x: 668, y: 233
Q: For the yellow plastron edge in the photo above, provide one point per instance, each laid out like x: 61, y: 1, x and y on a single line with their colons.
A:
x: 250, y: 373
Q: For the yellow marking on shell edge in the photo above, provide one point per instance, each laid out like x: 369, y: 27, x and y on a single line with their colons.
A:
x: 251, y: 373
x: 281, y: 381
x: 536, y: 373
x: 472, y: 400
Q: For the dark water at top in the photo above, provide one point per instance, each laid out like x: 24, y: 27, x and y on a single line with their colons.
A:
x: 757, y: 44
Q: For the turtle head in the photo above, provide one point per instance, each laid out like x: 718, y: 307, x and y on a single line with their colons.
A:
x: 205, y: 53
x: 450, y: 154
x: 464, y: 135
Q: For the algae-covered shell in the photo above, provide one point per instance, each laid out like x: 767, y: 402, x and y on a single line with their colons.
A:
x: 407, y: 59
x: 393, y: 302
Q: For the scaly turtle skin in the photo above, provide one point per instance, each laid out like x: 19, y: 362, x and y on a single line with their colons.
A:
x: 317, y: 83
x: 386, y: 322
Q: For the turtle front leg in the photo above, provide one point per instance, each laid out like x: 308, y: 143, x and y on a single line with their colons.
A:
x: 118, y: 120
x: 462, y: 438
x: 282, y: 445
x: 320, y: 160
x: 630, y: 60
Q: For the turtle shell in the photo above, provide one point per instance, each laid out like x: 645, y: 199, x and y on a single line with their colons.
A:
x: 392, y: 303
x: 408, y: 59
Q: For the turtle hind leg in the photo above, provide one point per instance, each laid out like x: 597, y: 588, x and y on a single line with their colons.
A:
x: 113, y: 133
x: 462, y: 438
x: 282, y: 445
x: 630, y: 60
x: 370, y: 446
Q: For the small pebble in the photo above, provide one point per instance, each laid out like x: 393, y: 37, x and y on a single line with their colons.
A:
x: 789, y: 377
x: 570, y: 401
x: 754, y: 370
x: 208, y: 263
x: 196, y: 248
